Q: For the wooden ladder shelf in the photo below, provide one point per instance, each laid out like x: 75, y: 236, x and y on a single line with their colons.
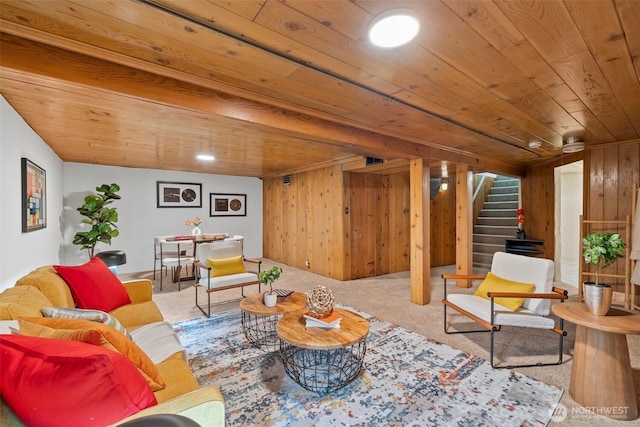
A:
x: 588, y: 226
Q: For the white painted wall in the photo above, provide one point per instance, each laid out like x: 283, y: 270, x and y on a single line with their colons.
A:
x: 569, y: 187
x: 139, y: 218
x: 22, y: 252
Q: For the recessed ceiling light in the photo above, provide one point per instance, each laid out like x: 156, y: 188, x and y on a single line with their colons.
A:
x: 393, y: 28
x: 206, y: 157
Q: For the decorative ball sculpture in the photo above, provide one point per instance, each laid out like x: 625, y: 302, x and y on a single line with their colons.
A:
x: 320, y: 302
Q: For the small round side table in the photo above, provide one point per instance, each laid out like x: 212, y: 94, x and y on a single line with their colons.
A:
x: 259, y: 321
x: 601, y: 374
x: 323, y: 360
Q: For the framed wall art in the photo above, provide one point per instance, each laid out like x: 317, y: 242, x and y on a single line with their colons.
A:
x: 223, y: 204
x: 34, y: 201
x: 179, y: 195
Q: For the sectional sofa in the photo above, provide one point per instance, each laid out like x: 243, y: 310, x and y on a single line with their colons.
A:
x: 79, y: 347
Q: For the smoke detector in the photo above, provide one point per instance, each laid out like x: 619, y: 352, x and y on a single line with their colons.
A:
x: 572, y: 146
x: 534, y: 143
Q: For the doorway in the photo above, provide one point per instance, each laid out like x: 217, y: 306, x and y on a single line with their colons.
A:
x: 568, y: 208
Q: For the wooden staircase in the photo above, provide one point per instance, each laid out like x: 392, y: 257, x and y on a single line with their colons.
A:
x: 496, y: 222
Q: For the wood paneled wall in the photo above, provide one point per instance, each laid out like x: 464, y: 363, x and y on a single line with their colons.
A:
x: 370, y: 228
x: 443, y: 226
x: 304, y: 221
x: 538, y: 201
x: 610, y: 172
x: 350, y: 225
x: 610, y: 175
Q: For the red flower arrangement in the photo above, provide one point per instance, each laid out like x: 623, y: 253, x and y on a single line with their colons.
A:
x: 520, y: 216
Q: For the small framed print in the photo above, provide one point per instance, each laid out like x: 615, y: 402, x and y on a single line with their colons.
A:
x: 34, y: 201
x: 223, y: 204
x: 179, y: 195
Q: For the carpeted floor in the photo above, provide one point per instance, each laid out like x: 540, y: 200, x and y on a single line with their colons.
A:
x: 388, y: 298
x: 408, y: 380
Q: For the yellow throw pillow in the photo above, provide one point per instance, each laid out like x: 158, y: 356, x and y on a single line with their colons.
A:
x: 493, y: 283
x: 226, y: 266
x: 86, y: 331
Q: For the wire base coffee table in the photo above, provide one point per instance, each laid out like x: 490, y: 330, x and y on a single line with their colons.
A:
x: 323, y: 360
x: 259, y: 321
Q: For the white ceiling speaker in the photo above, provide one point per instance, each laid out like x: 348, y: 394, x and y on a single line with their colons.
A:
x: 572, y: 146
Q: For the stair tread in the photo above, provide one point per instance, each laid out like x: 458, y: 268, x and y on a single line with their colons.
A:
x: 496, y: 221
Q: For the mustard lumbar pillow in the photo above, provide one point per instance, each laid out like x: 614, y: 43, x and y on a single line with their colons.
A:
x: 493, y: 283
x: 226, y: 266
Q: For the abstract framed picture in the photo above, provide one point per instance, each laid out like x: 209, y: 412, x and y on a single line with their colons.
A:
x: 224, y: 204
x: 179, y: 195
x: 34, y: 200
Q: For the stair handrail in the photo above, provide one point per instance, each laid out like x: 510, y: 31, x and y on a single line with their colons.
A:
x: 478, y: 187
x: 481, y: 189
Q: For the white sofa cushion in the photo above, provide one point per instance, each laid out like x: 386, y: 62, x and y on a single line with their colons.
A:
x: 158, y: 340
x: 481, y: 308
x: 230, y: 280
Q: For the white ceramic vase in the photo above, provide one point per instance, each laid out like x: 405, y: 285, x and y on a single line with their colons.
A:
x: 270, y: 300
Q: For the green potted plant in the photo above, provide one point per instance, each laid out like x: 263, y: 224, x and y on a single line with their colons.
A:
x: 100, y: 217
x: 267, y: 277
x: 602, y: 250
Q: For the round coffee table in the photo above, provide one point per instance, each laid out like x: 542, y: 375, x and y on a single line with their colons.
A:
x: 601, y: 374
x: 259, y: 321
x: 323, y: 360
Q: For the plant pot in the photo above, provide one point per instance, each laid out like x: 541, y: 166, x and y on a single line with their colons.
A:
x: 597, y: 298
x: 270, y: 300
x: 520, y: 234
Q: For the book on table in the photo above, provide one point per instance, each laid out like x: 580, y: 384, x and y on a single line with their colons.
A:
x: 330, y: 322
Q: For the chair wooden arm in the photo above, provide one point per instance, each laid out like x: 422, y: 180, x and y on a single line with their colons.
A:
x: 461, y: 277
x: 464, y: 276
x: 201, y: 265
x: 558, y: 293
x: 253, y: 260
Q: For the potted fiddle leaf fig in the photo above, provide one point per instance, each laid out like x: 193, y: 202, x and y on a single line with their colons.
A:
x: 100, y: 217
x: 267, y: 277
x: 602, y: 250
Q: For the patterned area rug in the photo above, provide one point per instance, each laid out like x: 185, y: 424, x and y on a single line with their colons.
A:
x: 408, y: 380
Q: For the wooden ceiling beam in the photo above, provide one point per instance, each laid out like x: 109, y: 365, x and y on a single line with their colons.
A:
x: 23, y: 59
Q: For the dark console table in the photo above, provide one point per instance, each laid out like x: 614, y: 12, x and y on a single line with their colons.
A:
x: 529, y: 247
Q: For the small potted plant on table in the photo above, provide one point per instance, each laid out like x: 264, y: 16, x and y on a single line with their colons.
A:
x: 602, y: 250
x: 267, y: 277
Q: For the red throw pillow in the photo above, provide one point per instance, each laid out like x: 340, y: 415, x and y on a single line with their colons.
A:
x: 49, y: 382
x: 94, y: 286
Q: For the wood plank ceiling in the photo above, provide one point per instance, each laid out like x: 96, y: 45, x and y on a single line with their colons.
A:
x: 271, y: 87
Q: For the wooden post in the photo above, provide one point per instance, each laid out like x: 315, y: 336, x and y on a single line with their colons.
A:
x: 419, y: 176
x: 464, y: 226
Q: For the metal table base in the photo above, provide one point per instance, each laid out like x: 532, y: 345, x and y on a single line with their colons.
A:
x: 323, y: 371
